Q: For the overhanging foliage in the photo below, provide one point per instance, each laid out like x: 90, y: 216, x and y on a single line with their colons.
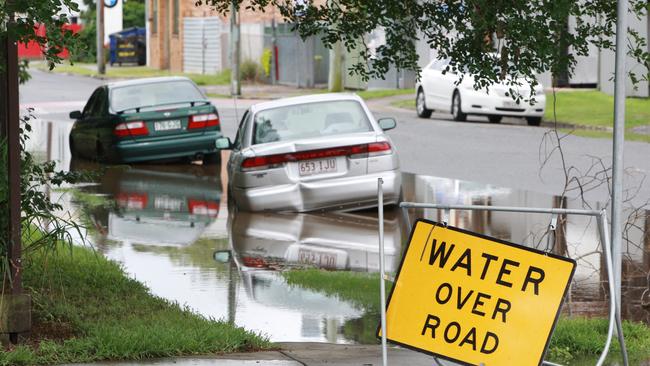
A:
x: 493, y: 40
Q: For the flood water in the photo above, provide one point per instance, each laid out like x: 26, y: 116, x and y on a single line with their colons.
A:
x: 170, y: 227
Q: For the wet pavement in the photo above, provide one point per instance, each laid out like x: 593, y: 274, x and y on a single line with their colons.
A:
x: 298, y: 354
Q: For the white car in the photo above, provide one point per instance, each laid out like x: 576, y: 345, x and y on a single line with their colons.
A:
x: 438, y: 91
x: 314, y: 152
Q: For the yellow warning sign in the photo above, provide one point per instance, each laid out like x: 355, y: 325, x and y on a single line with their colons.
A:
x: 475, y: 299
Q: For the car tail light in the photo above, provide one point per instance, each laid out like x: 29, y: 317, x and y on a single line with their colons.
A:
x: 137, y: 128
x: 203, y: 120
x: 353, y: 151
x: 379, y: 148
x: 205, y: 208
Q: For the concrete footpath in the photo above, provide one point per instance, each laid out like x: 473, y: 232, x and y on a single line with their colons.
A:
x: 298, y: 354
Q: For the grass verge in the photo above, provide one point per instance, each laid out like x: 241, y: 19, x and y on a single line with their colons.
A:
x: 365, y: 94
x: 573, y: 339
x: 86, y: 309
x: 361, y: 289
x: 593, y: 111
x: 130, y: 72
x: 583, y: 338
x: 383, y: 93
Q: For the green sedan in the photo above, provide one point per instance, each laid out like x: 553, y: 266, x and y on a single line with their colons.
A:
x: 146, y: 120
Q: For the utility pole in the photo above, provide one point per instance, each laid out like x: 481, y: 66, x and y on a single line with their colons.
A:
x: 101, y: 65
x: 274, y: 52
x: 235, y: 84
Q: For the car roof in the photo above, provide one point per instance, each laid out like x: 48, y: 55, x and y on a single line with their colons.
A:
x: 142, y: 81
x: 313, y: 98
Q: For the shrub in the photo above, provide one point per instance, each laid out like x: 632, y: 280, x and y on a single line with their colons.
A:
x: 249, y: 70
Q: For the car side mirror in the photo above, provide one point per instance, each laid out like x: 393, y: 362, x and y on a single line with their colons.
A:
x: 222, y: 256
x: 387, y: 123
x: 223, y: 143
x: 75, y: 114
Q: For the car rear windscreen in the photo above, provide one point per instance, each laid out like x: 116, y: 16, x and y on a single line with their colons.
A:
x: 309, y: 120
x: 152, y: 94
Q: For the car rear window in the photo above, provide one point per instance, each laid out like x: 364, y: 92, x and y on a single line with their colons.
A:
x: 152, y: 94
x: 309, y: 120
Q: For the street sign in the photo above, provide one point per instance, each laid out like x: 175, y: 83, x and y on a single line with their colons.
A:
x: 475, y: 299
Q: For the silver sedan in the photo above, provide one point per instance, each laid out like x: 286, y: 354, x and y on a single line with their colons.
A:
x: 313, y: 152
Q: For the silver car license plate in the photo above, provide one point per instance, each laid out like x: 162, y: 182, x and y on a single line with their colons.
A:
x: 312, y: 167
x: 322, y: 260
x: 172, y: 124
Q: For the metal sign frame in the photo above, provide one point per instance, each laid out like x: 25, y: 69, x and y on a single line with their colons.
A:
x: 601, y: 219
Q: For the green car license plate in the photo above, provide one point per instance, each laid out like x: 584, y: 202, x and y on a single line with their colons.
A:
x: 172, y: 124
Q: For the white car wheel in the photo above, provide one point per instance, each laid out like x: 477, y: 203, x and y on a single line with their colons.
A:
x: 420, y: 105
x: 456, y: 109
x: 534, y: 121
x: 494, y: 119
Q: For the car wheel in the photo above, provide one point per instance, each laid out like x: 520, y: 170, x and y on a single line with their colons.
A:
x: 214, y: 158
x: 456, y: 109
x: 534, y: 121
x: 495, y: 119
x: 99, y: 152
x: 231, y: 199
x: 420, y: 105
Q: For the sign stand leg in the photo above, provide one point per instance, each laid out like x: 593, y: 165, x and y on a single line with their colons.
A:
x: 614, y: 306
x: 382, y: 274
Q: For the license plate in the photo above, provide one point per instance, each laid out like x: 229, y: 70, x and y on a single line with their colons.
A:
x: 172, y: 124
x: 167, y: 203
x: 312, y: 167
x: 510, y: 104
x: 321, y: 260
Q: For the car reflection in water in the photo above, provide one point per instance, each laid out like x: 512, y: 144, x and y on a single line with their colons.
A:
x: 156, y: 204
x: 331, y: 240
x: 263, y: 243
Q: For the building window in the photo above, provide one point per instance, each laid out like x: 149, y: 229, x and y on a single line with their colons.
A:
x: 176, y: 17
x: 154, y: 16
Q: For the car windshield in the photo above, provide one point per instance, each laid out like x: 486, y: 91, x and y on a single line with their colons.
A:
x: 309, y: 120
x: 151, y: 94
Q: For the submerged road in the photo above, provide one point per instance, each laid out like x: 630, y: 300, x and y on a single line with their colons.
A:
x: 508, y: 154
